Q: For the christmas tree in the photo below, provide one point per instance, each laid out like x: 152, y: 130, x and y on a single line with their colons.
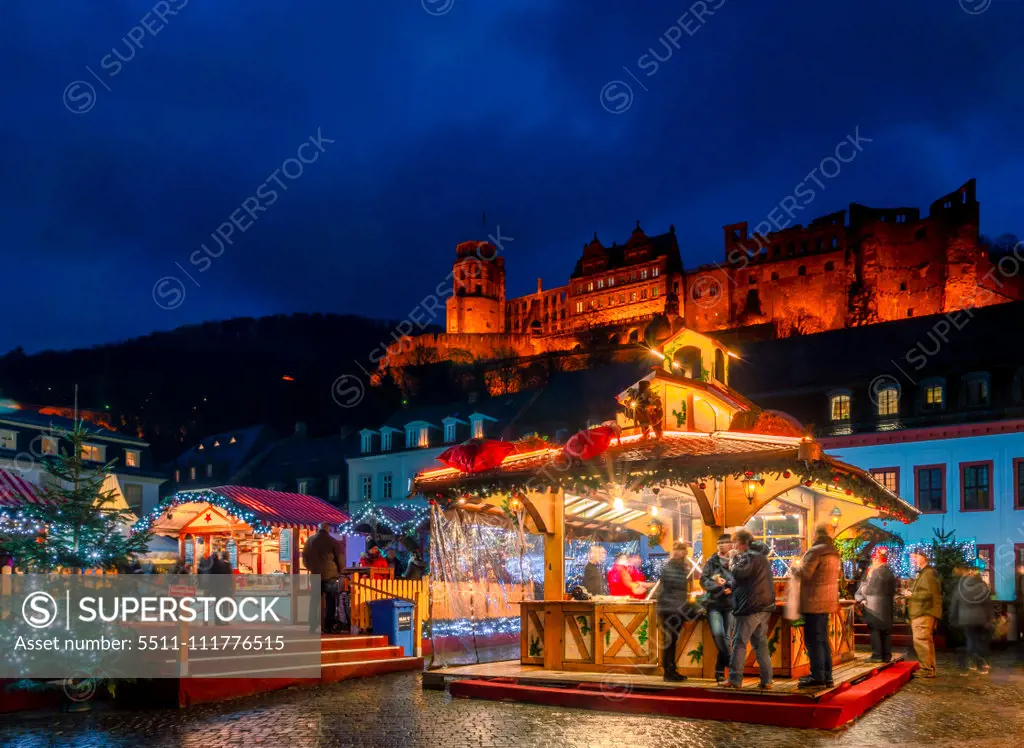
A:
x: 76, y: 525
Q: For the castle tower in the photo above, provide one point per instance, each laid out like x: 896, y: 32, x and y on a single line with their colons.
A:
x: 477, y: 304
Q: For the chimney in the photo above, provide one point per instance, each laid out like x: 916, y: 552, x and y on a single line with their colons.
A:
x: 300, y: 429
x: 539, y: 287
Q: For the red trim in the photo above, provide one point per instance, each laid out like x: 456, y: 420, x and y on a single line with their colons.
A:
x: 917, y: 480
x: 931, y: 433
x: 896, y: 470
x: 963, y: 490
x: 1018, y: 499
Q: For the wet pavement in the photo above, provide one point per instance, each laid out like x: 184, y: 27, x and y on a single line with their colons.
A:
x: 977, y: 711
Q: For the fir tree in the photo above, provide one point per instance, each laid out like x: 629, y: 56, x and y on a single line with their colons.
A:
x: 76, y: 525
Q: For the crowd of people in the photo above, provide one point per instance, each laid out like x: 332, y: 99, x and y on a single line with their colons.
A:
x: 740, y: 597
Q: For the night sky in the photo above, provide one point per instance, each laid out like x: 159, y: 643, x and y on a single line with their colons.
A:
x: 442, y: 110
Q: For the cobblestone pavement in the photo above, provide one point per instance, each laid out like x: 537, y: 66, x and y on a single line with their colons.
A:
x: 976, y: 711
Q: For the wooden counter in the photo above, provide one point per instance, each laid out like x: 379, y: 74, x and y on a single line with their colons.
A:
x: 625, y: 635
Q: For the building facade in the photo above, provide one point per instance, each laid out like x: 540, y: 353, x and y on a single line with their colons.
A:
x: 218, y: 460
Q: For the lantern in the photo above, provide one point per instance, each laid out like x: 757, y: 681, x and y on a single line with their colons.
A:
x: 750, y: 486
x: 834, y: 516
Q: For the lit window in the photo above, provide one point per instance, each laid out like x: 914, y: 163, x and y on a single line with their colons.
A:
x: 478, y: 428
x: 216, y: 444
x: 132, y: 458
x: 840, y: 408
x: 424, y: 439
x: 654, y: 272
x: 385, y: 441
x: 201, y: 447
x: 890, y: 478
x: 654, y: 291
x: 49, y: 445
x: 209, y: 470
x: 192, y: 473
x: 632, y: 296
x: 366, y: 487
x: 590, y: 286
x: 93, y: 452
x: 934, y: 396
x: 449, y: 432
x: 643, y: 274
x: 600, y: 283
x: 579, y: 307
x: 232, y: 440
x: 177, y: 476
x: 888, y: 400
x: 986, y: 552
x: 611, y: 281
x: 8, y: 439
x: 385, y: 486
x: 333, y: 486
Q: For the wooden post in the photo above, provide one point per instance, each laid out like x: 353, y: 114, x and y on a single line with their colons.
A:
x: 554, y: 549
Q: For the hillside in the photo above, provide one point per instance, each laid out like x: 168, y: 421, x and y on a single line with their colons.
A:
x: 170, y: 387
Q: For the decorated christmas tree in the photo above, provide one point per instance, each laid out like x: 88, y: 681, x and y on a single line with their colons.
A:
x: 75, y: 524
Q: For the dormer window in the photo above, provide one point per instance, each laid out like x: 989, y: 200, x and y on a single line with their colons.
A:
x: 385, y: 441
x: 366, y: 442
x: 132, y: 458
x: 887, y: 400
x: 839, y: 406
x: 216, y: 444
x: 933, y: 394
x: 232, y: 440
x: 424, y: 438
x: 976, y: 390
x: 449, y: 432
x: 93, y: 452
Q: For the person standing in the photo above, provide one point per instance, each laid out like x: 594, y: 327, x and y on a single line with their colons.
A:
x: 321, y: 557
x: 924, y: 609
x: 416, y: 568
x: 875, y: 594
x: 970, y: 609
x: 673, y: 605
x: 717, y: 582
x: 818, y: 572
x: 621, y: 582
x: 753, y: 600
x: 594, y: 579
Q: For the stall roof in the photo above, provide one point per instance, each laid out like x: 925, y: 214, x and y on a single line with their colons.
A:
x: 15, y: 490
x: 271, y: 508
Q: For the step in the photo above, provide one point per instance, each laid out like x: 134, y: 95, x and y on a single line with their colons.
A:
x: 359, y: 655
x: 898, y: 640
x: 368, y: 668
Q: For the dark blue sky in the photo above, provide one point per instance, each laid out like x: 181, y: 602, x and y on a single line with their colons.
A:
x: 483, y: 105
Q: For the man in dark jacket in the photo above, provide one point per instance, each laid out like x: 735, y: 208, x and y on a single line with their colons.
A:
x: 321, y: 557
x: 718, y: 582
x: 970, y: 609
x: 674, y: 605
x: 818, y: 572
x: 594, y: 576
x: 875, y: 595
x: 753, y: 600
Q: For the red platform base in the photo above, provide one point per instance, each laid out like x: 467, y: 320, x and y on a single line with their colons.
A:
x: 829, y: 711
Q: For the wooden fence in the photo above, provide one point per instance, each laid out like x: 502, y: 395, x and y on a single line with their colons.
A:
x: 484, y: 599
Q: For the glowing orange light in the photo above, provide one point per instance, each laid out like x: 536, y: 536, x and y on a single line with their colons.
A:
x: 288, y: 378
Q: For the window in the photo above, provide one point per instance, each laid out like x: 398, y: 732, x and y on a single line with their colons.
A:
x: 590, y: 286
x: 209, y: 470
x: 976, y: 389
x: 611, y: 282
x: 1018, y: 483
x: 888, y: 400
x: 410, y: 437
x: 333, y: 486
x: 303, y: 485
x: 93, y: 452
x: 177, y: 476
x: 133, y: 496
x: 385, y: 485
x: 930, y: 488
x: 478, y: 428
x: 888, y: 477
x: 840, y: 408
x: 632, y: 296
x: 600, y: 284
x: 643, y: 274
x: 366, y: 442
x: 8, y: 439
x: 579, y: 307
x: 232, y: 440
x: 654, y: 272
x: 975, y: 486
x: 654, y: 292
x: 366, y: 487
x: 48, y: 445
x: 775, y: 276
x: 934, y: 396
x: 192, y: 473
x: 385, y: 441
x: 132, y: 458
x: 986, y: 555
x: 802, y: 270
x: 903, y: 286
x: 449, y: 432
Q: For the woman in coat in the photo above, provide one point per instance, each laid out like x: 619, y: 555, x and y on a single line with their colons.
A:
x: 875, y: 595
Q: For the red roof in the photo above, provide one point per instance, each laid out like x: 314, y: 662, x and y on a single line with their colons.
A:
x: 283, y: 509
x: 15, y: 490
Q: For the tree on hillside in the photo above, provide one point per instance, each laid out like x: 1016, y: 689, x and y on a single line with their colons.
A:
x: 76, y: 525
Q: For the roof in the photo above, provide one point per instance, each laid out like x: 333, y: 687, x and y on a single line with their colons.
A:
x: 661, y: 245
x: 259, y: 507
x: 15, y: 490
x: 504, y: 409
x: 398, y: 519
x: 235, y: 453
x: 295, y: 457
x: 39, y: 420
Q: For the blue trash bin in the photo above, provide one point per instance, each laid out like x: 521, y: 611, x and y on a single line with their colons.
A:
x: 393, y: 618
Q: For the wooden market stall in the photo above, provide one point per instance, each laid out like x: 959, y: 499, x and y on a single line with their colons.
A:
x: 262, y: 531
x: 694, y: 457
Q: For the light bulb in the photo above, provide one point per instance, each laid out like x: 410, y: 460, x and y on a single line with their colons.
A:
x: 617, y: 503
x: 654, y: 511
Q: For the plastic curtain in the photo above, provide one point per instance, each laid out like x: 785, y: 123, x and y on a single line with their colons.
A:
x: 481, y: 566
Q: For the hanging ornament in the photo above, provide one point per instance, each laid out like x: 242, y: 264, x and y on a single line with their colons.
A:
x: 808, y: 482
x: 749, y: 474
x: 835, y: 478
x: 786, y: 474
x: 703, y: 485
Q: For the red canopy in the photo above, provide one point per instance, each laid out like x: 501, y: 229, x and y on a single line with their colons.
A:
x: 15, y: 490
x: 283, y: 509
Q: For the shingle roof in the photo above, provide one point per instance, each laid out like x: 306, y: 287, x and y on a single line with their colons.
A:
x: 42, y: 421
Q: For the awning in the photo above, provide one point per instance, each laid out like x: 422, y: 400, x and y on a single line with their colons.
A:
x: 16, y: 491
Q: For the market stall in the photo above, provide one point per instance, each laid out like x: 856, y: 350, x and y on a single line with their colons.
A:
x: 693, y: 457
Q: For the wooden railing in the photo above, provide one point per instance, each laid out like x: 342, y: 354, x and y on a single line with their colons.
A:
x: 484, y: 599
